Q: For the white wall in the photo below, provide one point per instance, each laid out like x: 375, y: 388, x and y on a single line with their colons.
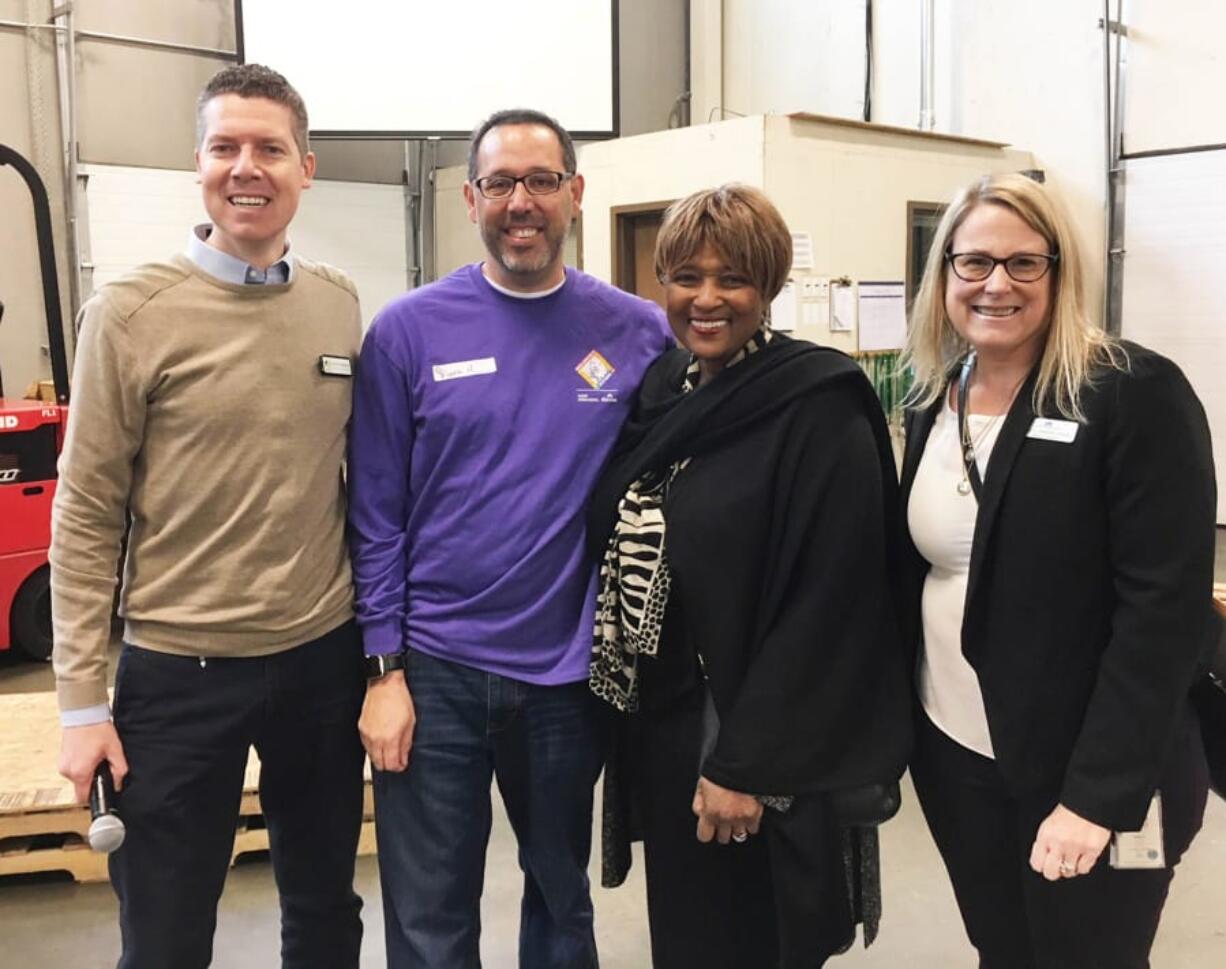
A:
x: 1028, y: 74
x: 781, y: 56
x: 1175, y: 259
x: 1175, y: 75
x: 139, y: 215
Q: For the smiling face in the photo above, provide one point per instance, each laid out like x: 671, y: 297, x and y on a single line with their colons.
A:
x: 712, y: 308
x: 523, y: 233
x: 1004, y: 320
x: 251, y: 174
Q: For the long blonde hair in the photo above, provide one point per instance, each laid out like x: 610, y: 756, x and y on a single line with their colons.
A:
x: 1073, y: 345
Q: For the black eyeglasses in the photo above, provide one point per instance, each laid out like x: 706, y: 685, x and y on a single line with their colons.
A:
x: 1022, y: 267
x: 536, y: 183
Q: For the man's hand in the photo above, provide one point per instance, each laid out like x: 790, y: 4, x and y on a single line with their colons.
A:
x: 387, y: 722
x: 82, y: 749
x: 1067, y: 845
x: 723, y: 814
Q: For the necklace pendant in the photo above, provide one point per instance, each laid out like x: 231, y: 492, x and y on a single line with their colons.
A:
x: 964, y: 487
x: 969, y: 455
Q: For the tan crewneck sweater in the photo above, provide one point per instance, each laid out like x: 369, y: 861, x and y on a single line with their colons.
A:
x: 199, y: 408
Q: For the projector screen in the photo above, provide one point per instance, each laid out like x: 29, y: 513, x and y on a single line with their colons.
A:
x: 411, y: 68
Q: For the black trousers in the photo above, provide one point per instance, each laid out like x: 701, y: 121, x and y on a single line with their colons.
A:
x: 186, y: 725
x: 1106, y: 919
x: 709, y: 906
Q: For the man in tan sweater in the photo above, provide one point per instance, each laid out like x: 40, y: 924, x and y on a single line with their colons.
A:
x: 211, y: 400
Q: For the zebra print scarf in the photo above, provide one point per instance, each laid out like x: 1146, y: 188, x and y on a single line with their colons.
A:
x: 634, y: 573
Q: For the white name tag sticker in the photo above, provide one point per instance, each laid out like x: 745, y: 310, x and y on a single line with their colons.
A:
x: 1046, y: 429
x: 464, y: 368
x: 1141, y: 849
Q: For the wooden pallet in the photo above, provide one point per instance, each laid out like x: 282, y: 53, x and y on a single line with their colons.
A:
x: 43, y: 829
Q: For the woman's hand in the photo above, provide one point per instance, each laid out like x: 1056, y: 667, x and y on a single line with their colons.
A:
x: 1067, y: 845
x: 723, y: 814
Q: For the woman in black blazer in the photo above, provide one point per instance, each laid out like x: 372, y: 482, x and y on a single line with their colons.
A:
x: 1059, y: 502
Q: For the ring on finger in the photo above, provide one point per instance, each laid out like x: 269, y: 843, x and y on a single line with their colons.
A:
x: 740, y: 836
x: 1068, y: 868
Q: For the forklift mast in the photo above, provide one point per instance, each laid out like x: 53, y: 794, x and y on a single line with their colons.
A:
x: 50, y: 278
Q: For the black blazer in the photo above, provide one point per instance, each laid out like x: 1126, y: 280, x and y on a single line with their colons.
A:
x: 1088, y: 605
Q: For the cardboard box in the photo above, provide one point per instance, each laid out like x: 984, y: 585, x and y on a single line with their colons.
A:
x: 43, y: 390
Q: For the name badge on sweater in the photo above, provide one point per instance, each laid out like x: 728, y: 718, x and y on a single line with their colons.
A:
x: 464, y: 368
x: 1046, y: 429
x: 333, y: 366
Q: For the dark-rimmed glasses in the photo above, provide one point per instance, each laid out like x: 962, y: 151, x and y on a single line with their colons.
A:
x: 1022, y: 267
x: 535, y: 183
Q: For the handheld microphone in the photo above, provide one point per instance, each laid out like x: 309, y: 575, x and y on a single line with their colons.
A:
x: 106, y: 830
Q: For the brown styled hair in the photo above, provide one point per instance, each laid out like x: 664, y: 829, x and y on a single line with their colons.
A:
x: 741, y: 223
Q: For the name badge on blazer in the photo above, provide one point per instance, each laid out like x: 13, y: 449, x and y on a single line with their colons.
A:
x: 1046, y: 429
x: 1140, y: 849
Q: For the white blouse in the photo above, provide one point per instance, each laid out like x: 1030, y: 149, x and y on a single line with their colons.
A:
x: 942, y: 524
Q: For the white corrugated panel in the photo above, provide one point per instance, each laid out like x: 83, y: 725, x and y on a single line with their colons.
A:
x: 139, y: 215
x: 1175, y: 275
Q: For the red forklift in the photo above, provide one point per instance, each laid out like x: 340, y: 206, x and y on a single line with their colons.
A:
x: 31, y: 438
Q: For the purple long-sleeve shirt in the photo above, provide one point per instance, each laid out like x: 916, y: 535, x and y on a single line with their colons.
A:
x: 480, y: 422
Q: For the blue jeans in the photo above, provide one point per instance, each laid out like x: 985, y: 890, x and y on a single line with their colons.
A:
x: 543, y: 745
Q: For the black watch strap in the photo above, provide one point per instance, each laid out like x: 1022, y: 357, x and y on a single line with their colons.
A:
x: 382, y: 664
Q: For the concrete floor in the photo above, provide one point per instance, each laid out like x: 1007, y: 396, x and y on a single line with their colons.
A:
x: 50, y: 922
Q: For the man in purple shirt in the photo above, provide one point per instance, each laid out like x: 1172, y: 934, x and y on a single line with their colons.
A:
x: 485, y: 405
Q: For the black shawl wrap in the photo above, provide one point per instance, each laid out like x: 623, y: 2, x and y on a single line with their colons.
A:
x: 790, y: 606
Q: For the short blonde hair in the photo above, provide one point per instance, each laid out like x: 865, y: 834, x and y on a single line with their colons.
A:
x: 1073, y: 346
x: 739, y: 222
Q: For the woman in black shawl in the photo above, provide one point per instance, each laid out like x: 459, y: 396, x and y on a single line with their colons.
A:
x: 745, y: 620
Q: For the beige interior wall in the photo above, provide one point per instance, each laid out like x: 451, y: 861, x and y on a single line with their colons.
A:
x: 651, y: 62
x: 27, y: 92
x: 661, y: 167
x: 136, y: 104
x: 848, y: 187
x: 456, y: 241
x: 706, y: 59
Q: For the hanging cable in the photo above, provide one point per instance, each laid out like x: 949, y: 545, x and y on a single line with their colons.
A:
x: 868, y: 60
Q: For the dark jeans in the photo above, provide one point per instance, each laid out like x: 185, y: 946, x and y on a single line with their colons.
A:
x: 1015, y: 917
x: 542, y: 744
x: 186, y: 726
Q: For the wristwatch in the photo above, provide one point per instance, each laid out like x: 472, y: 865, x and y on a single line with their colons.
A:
x: 383, y: 663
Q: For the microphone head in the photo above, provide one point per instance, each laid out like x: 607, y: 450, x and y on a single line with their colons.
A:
x: 106, y: 833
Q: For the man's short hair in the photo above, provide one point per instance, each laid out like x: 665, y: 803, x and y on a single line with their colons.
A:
x: 513, y: 116
x: 255, y: 81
